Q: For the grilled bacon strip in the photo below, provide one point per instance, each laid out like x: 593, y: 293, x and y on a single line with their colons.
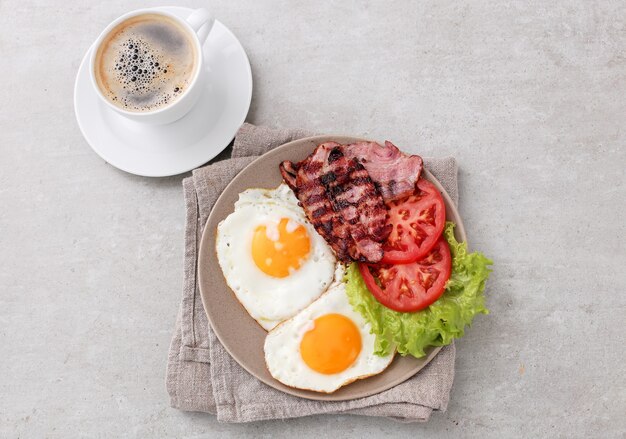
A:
x: 394, y: 173
x: 353, y: 195
x: 304, y: 178
x: 341, y: 201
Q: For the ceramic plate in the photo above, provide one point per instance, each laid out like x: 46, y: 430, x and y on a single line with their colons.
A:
x: 162, y: 150
x: 242, y: 337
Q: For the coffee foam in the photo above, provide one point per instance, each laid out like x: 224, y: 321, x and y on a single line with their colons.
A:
x: 145, y: 63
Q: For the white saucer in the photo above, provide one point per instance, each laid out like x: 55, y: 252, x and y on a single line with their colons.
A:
x: 162, y: 150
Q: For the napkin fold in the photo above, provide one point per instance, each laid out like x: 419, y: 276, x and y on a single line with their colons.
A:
x: 201, y: 375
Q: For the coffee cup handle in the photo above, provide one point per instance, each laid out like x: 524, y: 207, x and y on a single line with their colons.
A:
x: 201, y: 21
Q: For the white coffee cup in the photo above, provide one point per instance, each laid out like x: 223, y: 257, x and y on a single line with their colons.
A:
x: 199, y: 25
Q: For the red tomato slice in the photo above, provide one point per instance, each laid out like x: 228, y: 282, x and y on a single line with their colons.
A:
x: 417, y: 223
x: 410, y: 287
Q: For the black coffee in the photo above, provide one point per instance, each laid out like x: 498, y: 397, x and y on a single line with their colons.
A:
x: 145, y: 63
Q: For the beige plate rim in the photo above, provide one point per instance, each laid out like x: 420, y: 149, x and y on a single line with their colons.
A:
x: 240, y: 335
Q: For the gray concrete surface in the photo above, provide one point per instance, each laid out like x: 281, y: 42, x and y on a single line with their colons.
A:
x: 529, y: 96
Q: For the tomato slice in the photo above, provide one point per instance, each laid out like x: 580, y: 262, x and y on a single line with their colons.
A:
x: 410, y: 287
x: 417, y: 223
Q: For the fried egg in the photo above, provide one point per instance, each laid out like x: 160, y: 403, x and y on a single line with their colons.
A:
x: 325, y: 346
x: 271, y: 256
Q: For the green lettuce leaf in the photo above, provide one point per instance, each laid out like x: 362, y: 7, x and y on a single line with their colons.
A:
x: 441, y: 322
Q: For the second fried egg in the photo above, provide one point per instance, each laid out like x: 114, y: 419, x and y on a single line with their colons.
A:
x: 325, y: 346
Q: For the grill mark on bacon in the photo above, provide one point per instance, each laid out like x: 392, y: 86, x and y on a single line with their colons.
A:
x: 343, y: 204
x: 335, y: 191
x: 334, y: 155
x: 328, y: 178
x: 319, y: 212
x: 362, y: 180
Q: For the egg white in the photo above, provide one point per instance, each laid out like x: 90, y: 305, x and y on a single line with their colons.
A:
x: 282, y: 346
x: 270, y: 300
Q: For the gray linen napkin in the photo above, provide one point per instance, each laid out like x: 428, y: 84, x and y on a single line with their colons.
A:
x: 201, y: 375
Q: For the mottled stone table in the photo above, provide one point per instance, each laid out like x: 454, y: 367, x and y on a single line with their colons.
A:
x: 529, y: 96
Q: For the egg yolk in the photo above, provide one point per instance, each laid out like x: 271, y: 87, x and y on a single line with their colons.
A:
x: 278, y: 250
x: 332, y: 345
